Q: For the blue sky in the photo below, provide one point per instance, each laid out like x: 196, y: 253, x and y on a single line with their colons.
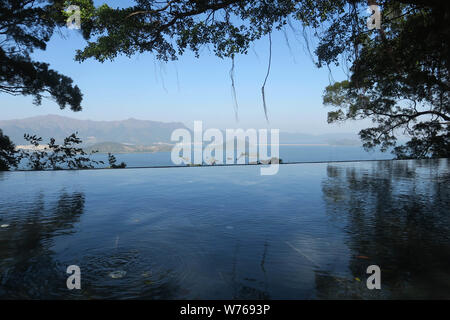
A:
x: 193, y: 89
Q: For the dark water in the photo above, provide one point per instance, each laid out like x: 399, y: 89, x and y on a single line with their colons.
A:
x: 226, y: 232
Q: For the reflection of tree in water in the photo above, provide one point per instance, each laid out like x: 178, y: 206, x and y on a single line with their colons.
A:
x: 395, y: 215
x: 27, y: 267
x: 249, y: 288
x: 30, y: 269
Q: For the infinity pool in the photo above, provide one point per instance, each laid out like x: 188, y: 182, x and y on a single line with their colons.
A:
x: 309, y: 232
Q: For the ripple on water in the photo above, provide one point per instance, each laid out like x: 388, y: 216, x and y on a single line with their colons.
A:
x: 126, y: 273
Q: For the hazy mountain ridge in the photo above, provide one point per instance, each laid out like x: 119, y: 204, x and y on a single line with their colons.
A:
x: 347, y: 139
x: 134, y: 135
x: 116, y: 147
x: 130, y: 131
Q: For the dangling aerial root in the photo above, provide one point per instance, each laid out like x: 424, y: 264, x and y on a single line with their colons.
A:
x: 267, y: 75
x: 233, y: 89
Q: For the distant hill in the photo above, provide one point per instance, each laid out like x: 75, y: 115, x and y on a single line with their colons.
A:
x: 335, y: 139
x: 115, y: 147
x: 131, y: 131
x: 133, y: 135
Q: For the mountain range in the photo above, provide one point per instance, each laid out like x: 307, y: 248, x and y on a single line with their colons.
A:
x: 130, y: 131
x: 132, y: 135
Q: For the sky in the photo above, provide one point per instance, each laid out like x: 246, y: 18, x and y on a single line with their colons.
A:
x: 190, y: 88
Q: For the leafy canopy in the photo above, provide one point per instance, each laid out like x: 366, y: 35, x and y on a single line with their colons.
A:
x: 25, y: 26
x: 399, y: 78
x: 7, y: 152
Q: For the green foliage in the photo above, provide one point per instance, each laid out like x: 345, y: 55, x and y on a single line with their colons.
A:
x: 399, y: 79
x: 112, y: 162
x: 26, y: 26
x: 7, y: 153
x: 56, y: 157
x: 52, y: 156
x: 168, y: 28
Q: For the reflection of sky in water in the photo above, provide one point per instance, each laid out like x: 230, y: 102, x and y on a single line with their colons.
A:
x: 227, y: 232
